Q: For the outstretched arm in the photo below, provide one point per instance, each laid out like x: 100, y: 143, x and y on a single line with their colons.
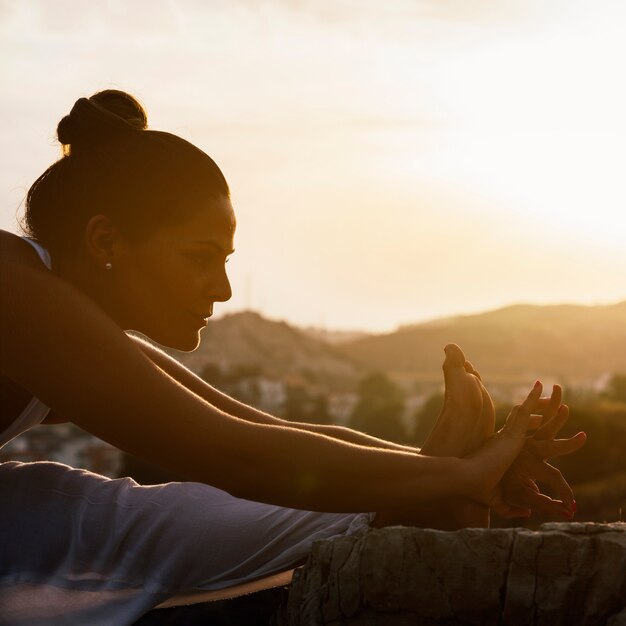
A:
x: 243, y: 411
x: 55, y: 342
x: 59, y: 345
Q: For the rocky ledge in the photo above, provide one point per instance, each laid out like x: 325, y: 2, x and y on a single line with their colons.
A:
x: 562, y: 574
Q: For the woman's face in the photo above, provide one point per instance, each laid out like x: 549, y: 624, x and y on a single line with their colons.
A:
x: 166, y: 285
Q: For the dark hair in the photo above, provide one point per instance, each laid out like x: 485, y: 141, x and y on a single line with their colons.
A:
x: 113, y: 165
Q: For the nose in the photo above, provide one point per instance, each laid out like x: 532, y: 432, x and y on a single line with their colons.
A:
x: 221, y: 290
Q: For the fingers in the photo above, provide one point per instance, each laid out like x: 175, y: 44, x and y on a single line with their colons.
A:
x: 549, y: 407
x: 552, y: 477
x: 519, y: 418
x: 503, y: 509
x: 535, y: 421
x: 556, y: 447
x: 550, y: 429
x: 554, y: 402
x: 532, y: 398
x: 541, y: 503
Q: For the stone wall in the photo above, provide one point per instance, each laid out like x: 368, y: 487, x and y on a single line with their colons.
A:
x: 563, y: 574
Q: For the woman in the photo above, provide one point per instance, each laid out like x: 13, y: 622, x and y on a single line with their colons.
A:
x: 131, y: 229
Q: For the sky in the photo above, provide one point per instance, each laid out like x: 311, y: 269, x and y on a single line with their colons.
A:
x: 389, y: 162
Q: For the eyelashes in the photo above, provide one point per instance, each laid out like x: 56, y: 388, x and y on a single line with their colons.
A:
x: 205, y: 261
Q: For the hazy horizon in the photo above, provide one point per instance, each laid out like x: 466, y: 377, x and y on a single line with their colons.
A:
x: 390, y: 163
x: 218, y: 315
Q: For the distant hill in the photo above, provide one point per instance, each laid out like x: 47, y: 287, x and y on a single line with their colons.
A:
x: 334, y: 337
x: 568, y: 343
x: 247, y: 340
x: 510, y: 346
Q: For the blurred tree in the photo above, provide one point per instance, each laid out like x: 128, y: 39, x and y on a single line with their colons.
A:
x: 297, y: 405
x: 212, y: 374
x: 426, y: 416
x: 241, y: 372
x: 616, y: 389
x: 319, y: 410
x: 379, y: 408
x: 246, y: 390
x: 604, y: 454
x: 301, y: 405
x: 240, y: 381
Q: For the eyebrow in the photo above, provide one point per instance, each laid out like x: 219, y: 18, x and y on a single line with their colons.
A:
x: 216, y: 246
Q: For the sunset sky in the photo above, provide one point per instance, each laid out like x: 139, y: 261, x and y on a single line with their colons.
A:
x: 390, y: 161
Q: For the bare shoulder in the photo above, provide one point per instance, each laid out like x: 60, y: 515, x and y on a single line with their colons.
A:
x: 14, y: 250
x: 16, y: 256
x: 18, y: 262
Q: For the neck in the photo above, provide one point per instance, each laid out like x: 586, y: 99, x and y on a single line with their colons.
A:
x: 94, y: 283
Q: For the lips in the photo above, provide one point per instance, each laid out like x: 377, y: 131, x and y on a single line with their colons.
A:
x: 199, y: 320
x: 202, y: 318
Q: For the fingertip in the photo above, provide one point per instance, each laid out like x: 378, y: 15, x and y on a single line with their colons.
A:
x: 557, y: 394
x: 533, y: 395
x: 535, y: 392
x: 581, y: 438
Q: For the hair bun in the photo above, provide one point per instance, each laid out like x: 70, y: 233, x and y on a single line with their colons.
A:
x: 104, y: 115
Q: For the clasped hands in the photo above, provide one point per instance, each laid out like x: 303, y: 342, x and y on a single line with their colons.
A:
x: 510, y: 487
x: 518, y: 494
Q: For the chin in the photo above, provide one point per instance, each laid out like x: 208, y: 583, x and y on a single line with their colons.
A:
x: 183, y: 342
x: 188, y: 344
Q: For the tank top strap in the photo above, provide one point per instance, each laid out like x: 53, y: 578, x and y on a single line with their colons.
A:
x: 44, y: 255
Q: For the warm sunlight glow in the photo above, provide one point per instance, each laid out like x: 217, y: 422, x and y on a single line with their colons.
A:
x: 389, y: 162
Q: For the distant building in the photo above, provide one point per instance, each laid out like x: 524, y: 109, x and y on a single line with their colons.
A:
x: 341, y: 405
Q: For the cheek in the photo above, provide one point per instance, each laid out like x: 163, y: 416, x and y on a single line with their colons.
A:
x: 154, y: 289
x: 176, y: 287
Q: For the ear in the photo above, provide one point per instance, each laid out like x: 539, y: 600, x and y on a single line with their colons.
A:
x: 101, y: 237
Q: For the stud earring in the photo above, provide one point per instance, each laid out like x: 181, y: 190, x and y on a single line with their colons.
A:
x: 108, y: 266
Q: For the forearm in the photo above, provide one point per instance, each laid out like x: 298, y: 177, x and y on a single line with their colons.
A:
x: 86, y: 369
x: 322, y: 473
x: 250, y: 414
x: 270, y: 463
x: 353, y: 436
x: 278, y: 464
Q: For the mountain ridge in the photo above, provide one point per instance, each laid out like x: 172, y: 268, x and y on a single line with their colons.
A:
x: 571, y: 343
x: 565, y: 343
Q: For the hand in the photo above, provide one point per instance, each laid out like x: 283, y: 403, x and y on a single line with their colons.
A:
x: 487, y: 466
x: 519, y: 485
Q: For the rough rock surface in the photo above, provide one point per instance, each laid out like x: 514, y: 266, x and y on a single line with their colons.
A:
x: 563, y: 574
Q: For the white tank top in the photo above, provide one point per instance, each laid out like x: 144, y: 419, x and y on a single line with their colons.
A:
x: 35, y: 411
